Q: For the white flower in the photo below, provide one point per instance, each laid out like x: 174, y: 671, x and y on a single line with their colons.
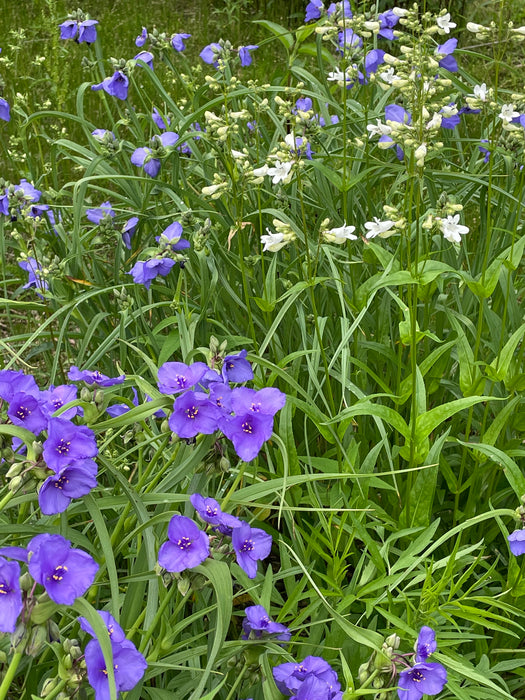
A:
x: 281, y: 172
x: 273, y: 241
x: 519, y: 30
x: 445, y: 24
x: 452, y: 229
x: 260, y: 172
x: 435, y: 122
x: 213, y: 190
x: 378, y: 129
x: 340, y: 235
x: 388, y: 75
x: 379, y: 228
x: 399, y: 11
x: 337, y: 76
x: 474, y: 28
x: 481, y: 91
x: 508, y: 113
x: 420, y: 154
x: 238, y: 154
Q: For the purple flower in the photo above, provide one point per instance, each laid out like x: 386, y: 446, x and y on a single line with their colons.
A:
x: 313, y: 688
x: 172, y: 236
x: 65, y: 573
x: 26, y: 410
x: 221, y: 394
x: 451, y: 121
x: 146, y: 271
x: 68, y: 29
x: 4, y: 110
x: 250, y: 544
x: 258, y: 624
x: 265, y: 401
x: 102, y: 212
x: 177, y: 41
x: 97, y: 378
x: 194, y: 413
x: 304, y: 104
x: 35, y: 278
x: 146, y: 57
x: 128, y: 231
x: 115, y: 85
x: 313, y: 10
x: 101, y: 134
x: 87, y: 31
x: 66, y: 443
x: 187, y: 545
x: 236, y: 368
x: 244, y: 54
x: 484, y: 150
x: 517, y: 542
x: 290, y: 676
x: 57, y: 396
x: 421, y: 679
x: 115, y: 631
x: 448, y: 62
x: 60, y: 488
x: 349, y: 38
x: 210, y: 53
x: 142, y: 158
x: 395, y: 113
x: 141, y: 39
x: 343, y: 8
x: 388, y: 20
x: 29, y: 190
x: 162, y: 122
x: 174, y: 377
x: 426, y: 644
x: 373, y: 60
x: 12, y: 382
x: 128, y: 666
x: 10, y: 595
x: 210, y: 511
x: 248, y: 433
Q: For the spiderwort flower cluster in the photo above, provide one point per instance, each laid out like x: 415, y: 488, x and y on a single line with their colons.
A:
x: 188, y: 545
x: 312, y: 677
x: 206, y: 403
x: 68, y: 449
x: 129, y: 665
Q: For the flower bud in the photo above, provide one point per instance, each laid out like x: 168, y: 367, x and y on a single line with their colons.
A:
x: 37, y: 640
x: 393, y: 641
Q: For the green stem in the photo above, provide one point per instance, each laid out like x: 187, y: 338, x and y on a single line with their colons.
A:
x: 10, y: 674
x: 5, y: 500
x: 56, y: 690
x: 237, y: 681
x: 160, y: 613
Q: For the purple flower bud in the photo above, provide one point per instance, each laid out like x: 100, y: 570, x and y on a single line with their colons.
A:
x: 141, y: 39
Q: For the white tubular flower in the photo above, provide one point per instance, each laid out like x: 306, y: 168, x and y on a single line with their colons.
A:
x: 481, y: 92
x: 445, y: 24
x: 475, y: 28
x: 379, y: 228
x: 435, y: 122
x: 238, y: 154
x: 260, y: 172
x: 387, y: 76
x: 213, y: 191
x: 337, y: 76
x: 281, y: 172
x: 400, y: 12
x: 273, y: 241
x: 289, y: 140
x: 378, y: 129
x: 452, y: 229
x: 340, y: 235
x: 519, y: 30
x: 508, y: 113
x: 420, y: 154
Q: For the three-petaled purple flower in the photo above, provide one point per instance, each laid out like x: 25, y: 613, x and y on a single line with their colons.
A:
x: 250, y: 545
x: 4, y: 110
x: 36, y: 278
x: 426, y: 644
x: 145, y: 271
x: 245, y: 55
x: 236, y: 368
x: 70, y: 482
x: 421, y: 679
x: 65, y: 573
x: 97, y: 215
x: 128, y: 231
x: 210, y: 511
x: 194, y: 414
x: 67, y: 443
x: 96, y: 377
x: 174, y: 377
x: 187, y: 545
x: 313, y: 10
x: 290, y: 677
x: 517, y: 542
x: 171, y: 237
x: 141, y: 39
x: 26, y: 410
x: 144, y: 157
x: 258, y: 624
x: 115, y: 85
x: 129, y: 666
x: 87, y: 31
x: 10, y: 595
x: 12, y: 382
x: 177, y: 41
